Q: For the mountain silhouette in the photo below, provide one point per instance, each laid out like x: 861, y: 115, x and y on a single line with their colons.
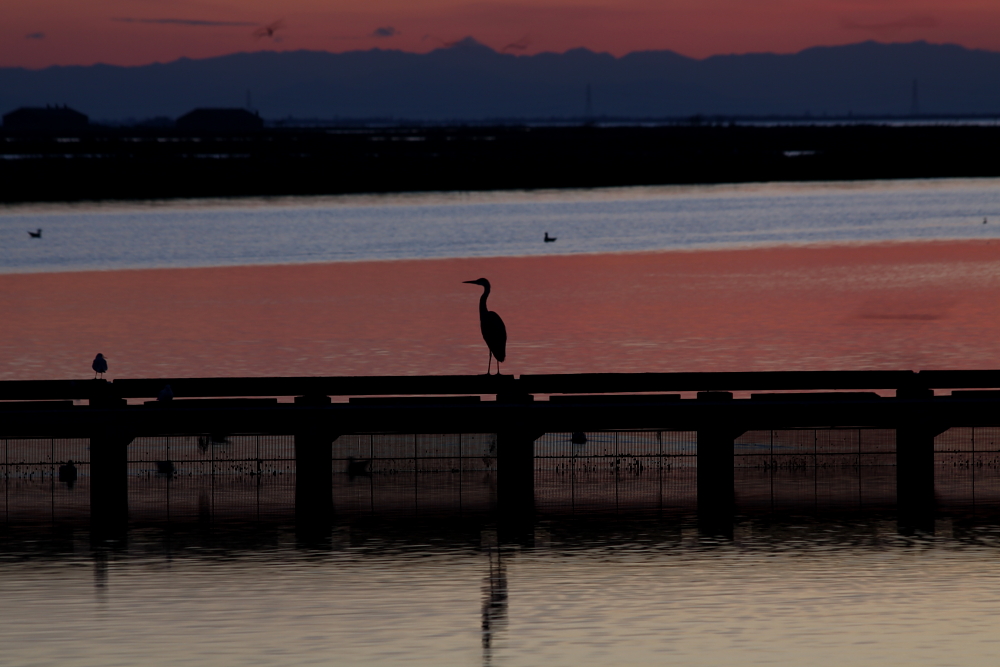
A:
x: 470, y: 81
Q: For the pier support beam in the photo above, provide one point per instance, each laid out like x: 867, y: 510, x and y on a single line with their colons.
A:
x: 915, y: 475
x: 314, y: 471
x: 716, y: 475
x: 313, y: 477
x: 109, y: 483
x: 516, y: 474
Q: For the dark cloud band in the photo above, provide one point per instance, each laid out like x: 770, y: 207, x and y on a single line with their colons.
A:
x: 190, y: 22
x: 909, y: 22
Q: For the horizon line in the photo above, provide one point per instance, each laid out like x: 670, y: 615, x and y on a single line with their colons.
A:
x: 470, y: 41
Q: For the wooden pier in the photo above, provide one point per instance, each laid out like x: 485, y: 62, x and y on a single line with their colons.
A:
x: 917, y: 405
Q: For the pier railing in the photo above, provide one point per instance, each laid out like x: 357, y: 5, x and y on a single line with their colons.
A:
x: 910, y: 409
x: 445, y: 385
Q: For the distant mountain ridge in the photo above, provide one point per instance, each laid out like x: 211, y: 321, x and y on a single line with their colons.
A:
x: 470, y: 81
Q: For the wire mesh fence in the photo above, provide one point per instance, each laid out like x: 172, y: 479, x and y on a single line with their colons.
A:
x: 618, y: 471
x: 213, y: 477
x: 399, y: 453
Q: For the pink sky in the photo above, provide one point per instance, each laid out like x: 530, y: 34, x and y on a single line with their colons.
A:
x: 38, y: 33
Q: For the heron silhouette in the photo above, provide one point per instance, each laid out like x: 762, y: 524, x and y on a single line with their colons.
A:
x: 36, y: 234
x: 494, y: 332
x: 100, y: 365
x: 549, y: 239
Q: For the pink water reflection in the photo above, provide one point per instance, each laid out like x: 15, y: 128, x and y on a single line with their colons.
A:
x: 878, y: 306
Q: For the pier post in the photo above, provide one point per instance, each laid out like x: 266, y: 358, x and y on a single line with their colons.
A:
x: 516, y: 464
x: 516, y: 474
x: 915, y: 475
x: 313, y: 470
x: 108, y: 463
x: 109, y: 483
x: 716, y: 475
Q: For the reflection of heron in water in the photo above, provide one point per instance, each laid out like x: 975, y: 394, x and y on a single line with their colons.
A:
x: 494, y: 601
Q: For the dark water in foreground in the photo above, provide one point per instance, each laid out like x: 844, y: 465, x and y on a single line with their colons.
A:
x: 790, y: 591
x: 814, y: 568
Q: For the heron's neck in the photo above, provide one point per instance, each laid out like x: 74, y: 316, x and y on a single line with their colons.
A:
x: 482, y: 300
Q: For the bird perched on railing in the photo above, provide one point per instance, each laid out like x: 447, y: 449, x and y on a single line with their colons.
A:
x: 100, y: 365
x: 494, y: 332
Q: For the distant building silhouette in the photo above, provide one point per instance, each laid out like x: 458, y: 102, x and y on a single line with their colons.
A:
x: 220, y: 120
x: 45, y: 118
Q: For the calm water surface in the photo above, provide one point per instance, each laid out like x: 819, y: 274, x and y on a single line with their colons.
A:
x: 792, y: 592
x: 778, y: 591
x: 409, y: 226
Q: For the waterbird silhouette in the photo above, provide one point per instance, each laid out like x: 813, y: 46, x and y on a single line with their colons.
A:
x: 67, y: 473
x: 984, y: 222
x: 549, y: 239
x: 357, y: 467
x: 36, y: 234
x: 100, y: 365
x: 269, y: 29
x: 494, y: 332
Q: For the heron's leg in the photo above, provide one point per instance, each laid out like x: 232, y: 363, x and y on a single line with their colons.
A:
x: 489, y: 363
x: 498, y: 367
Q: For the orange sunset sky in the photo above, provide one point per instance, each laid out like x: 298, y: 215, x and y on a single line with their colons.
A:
x: 39, y: 33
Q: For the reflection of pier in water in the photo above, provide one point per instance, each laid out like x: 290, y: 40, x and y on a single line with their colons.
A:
x: 433, y: 446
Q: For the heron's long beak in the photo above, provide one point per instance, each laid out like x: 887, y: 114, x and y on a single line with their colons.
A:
x: 470, y: 282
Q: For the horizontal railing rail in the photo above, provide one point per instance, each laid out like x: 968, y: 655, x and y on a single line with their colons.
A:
x: 427, y: 385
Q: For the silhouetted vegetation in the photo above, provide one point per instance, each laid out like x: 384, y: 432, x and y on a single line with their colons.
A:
x: 130, y: 163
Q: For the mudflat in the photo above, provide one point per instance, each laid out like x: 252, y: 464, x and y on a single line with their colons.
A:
x: 907, y: 305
